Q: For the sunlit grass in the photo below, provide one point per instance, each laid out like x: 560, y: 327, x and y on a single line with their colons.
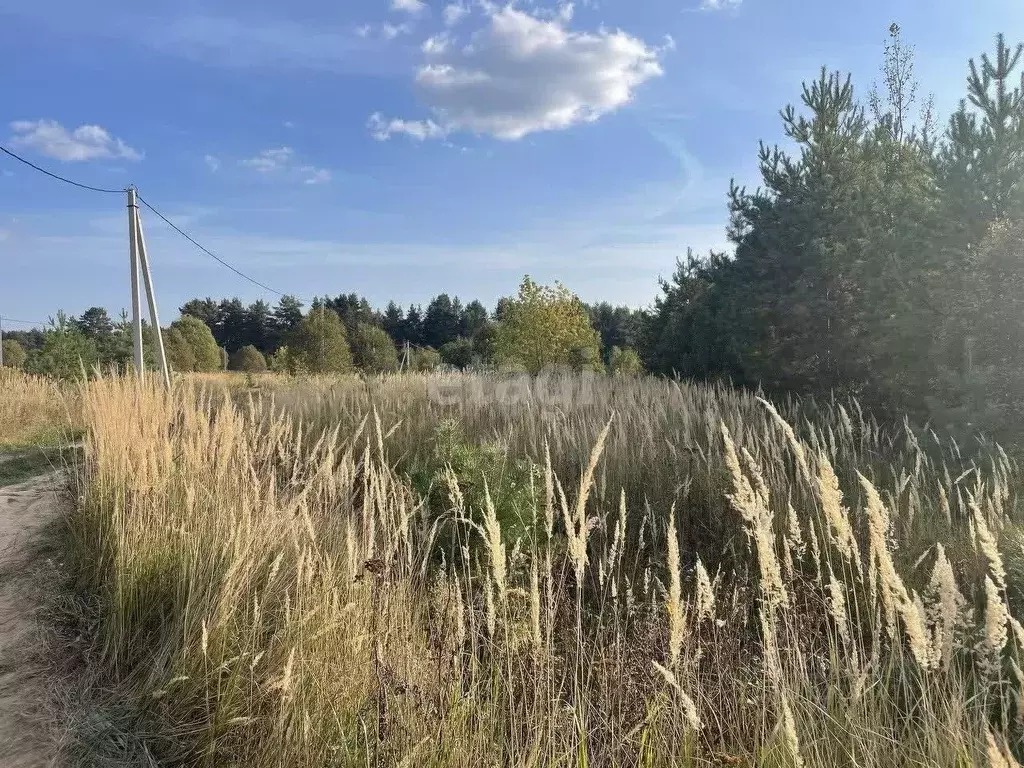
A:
x: 269, y: 590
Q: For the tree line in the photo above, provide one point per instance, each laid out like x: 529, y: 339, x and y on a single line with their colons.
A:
x: 345, y: 333
x: 881, y: 256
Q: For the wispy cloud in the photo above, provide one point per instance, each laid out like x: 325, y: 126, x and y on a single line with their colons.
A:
x: 414, y: 7
x: 86, y: 142
x: 454, y: 13
x: 315, y: 175
x: 521, y: 74
x: 281, y: 161
x: 270, y: 160
x: 720, y: 5
x: 213, y: 163
x: 383, y: 129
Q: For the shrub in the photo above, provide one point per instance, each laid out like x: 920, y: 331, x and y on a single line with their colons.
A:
x: 199, y: 337
x: 14, y: 354
x: 248, y: 359
x: 425, y: 359
x: 320, y: 345
x: 373, y: 350
x: 625, y: 361
x: 457, y: 353
x: 179, y: 352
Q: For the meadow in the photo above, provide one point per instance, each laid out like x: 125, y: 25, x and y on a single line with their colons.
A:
x: 477, y: 570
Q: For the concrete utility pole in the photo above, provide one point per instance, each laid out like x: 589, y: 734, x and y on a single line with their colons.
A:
x: 1, y: 341
x: 140, y: 261
x: 151, y: 299
x: 133, y: 244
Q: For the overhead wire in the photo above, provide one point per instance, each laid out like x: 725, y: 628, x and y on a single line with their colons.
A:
x: 152, y: 208
x: 207, y: 251
x: 6, y: 319
x: 58, y: 177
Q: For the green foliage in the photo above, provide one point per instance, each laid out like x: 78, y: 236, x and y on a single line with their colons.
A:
x: 67, y: 353
x: 320, y: 344
x: 95, y: 323
x: 424, y: 359
x: 248, y: 359
x: 625, y: 361
x: 457, y: 353
x: 180, y: 356
x: 373, y: 350
x: 197, y: 335
x: 545, y: 326
x: 514, y: 484
x: 14, y: 354
x: 857, y: 266
x: 279, y: 361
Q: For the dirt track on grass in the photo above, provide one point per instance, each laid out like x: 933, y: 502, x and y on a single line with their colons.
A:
x: 26, y: 738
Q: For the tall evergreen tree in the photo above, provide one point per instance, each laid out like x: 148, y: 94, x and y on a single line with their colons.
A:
x: 285, y: 319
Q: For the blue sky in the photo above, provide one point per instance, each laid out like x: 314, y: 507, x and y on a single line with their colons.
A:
x: 401, y: 148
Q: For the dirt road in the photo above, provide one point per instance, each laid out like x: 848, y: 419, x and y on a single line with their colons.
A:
x: 25, y: 739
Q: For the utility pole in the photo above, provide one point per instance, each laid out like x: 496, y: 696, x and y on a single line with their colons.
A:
x: 1, y: 341
x: 151, y: 299
x: 140, y: 262
x: 133, y: 243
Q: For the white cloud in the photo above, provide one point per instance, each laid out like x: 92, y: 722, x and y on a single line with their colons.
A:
x: 281, y: 161
x: 521, y: 74
x: 383, y: 129
x: 212, y: 163
x: 409, y: 6
x: 269, y: 160
x: 86, y: 142
x: 391, y: 31
x: 719, y: 5
x: 364, y: 30
x: 454, y: 13
x: 315, y: 175
x: 437, y: 44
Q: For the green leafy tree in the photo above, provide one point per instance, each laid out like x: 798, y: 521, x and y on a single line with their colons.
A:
x: 14, y: 354
x: 545, y: 326
x: 320, y: 344
x: 205, y: 352
x: 624, y: 361
x: 280, y: 360
x: 373, y: 350
x: 425, y: 359
x: 248, y: 359
x: 457, y: 353
x: 180, y: 356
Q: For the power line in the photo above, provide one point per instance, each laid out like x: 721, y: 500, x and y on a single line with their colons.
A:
x: 207, y: 251
x: 6, y: 319
x: 21, y: 159
x: 167, y: 221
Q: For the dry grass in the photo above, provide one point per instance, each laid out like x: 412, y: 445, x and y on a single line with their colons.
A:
x: 34, y: 409
x: 268, y: 590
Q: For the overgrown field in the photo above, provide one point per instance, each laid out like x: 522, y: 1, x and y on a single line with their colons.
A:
x: 35, y: 410
x: 469, y: 571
